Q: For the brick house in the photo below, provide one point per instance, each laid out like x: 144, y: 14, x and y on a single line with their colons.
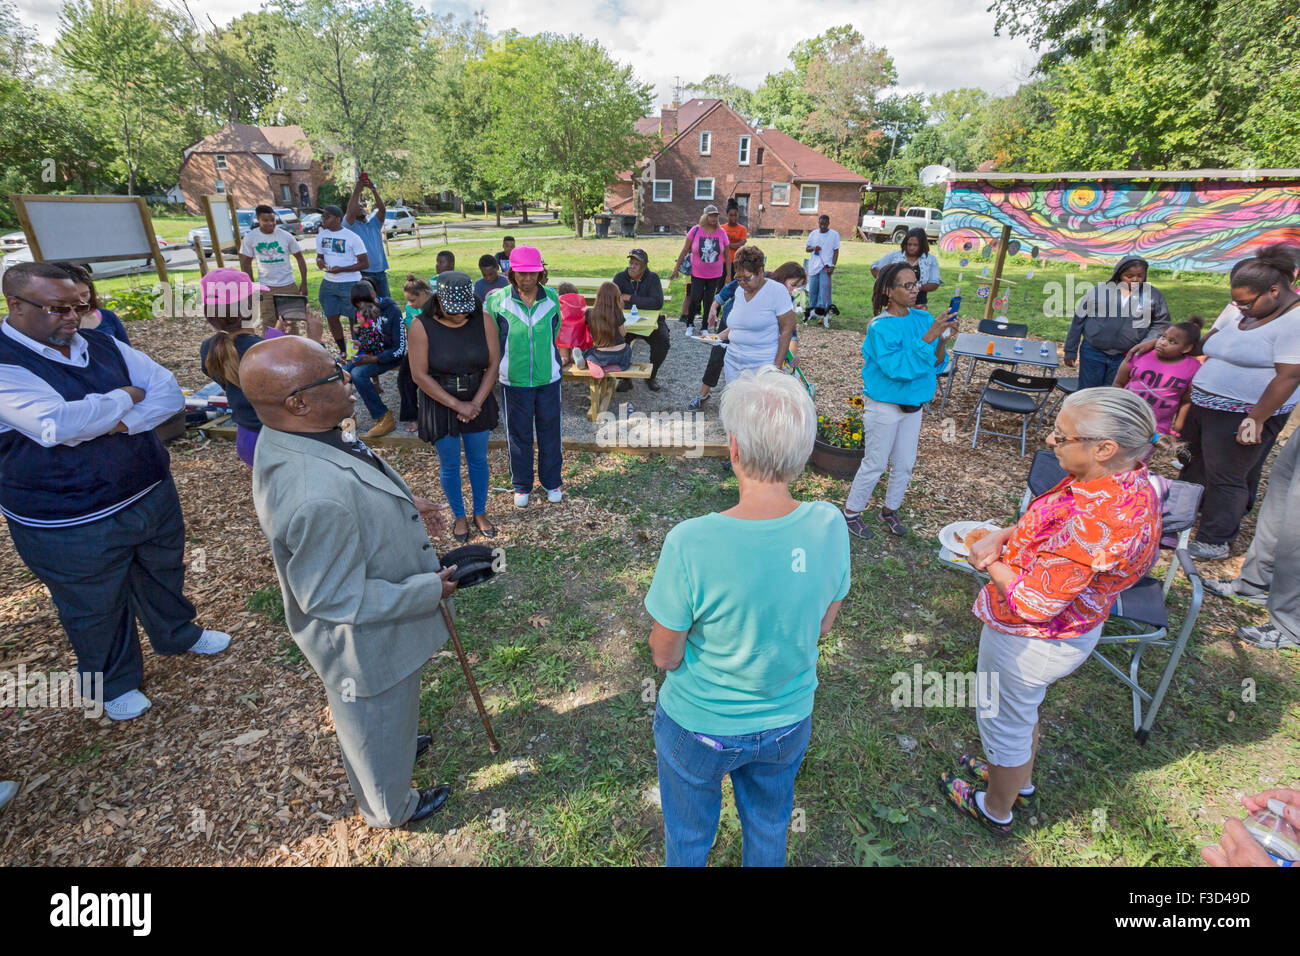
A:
x: 710, y: 154
x: 255, y: 164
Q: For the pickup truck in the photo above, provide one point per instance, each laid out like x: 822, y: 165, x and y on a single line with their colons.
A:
x: 894, y: 228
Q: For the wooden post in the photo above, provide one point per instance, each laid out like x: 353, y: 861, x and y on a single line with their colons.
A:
x: 418, y: 243
x: 997, y: 271
x: 198, y: 251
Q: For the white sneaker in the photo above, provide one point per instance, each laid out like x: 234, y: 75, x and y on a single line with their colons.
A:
x: 211, y: 642
x: 130, y: 705
x: 521, y: 501
x: 555, y: 496
x: 8, y: 790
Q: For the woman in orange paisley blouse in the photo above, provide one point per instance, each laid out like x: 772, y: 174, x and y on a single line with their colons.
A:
x: 1053, y: 577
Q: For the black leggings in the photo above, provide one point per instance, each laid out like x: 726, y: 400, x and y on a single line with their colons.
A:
x: 702, y: 292
x: 1228, y: 471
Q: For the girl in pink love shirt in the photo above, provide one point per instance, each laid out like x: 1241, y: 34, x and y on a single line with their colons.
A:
x: 1163, y: 376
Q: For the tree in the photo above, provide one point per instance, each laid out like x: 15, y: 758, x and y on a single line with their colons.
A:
x: 232, y: 67
x: 348, y: 69
x: 565, y: 118
x: 720, y: 86
x: 129, y: 74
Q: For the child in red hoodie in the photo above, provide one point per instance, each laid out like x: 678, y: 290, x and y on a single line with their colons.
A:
x: 574, y: 333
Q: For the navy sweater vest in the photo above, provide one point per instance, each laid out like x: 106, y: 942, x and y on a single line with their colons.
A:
x: 53, y: 485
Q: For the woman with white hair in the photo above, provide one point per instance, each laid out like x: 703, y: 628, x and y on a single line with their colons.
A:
x: 740, y: 648
x: 1054, y: 575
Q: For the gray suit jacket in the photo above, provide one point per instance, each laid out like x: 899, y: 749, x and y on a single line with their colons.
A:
x: 358, y: 574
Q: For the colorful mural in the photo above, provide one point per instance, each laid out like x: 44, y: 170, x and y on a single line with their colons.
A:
x: 1201, y: 226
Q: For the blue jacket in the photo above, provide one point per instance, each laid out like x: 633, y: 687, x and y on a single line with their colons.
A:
x: 898, y: 365
x: 393, y: 325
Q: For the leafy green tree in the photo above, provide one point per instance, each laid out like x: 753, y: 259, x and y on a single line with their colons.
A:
x: 128, y: 76
x: 565, y: 115
x: 720, y: 86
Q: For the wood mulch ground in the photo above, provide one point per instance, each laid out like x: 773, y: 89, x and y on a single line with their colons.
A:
x: 236, y: 762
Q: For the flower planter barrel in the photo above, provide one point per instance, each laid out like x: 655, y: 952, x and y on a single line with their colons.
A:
x: 834, y: 461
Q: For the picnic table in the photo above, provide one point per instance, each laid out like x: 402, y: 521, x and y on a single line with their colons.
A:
x: 975, y: 346
x: 602, y: 390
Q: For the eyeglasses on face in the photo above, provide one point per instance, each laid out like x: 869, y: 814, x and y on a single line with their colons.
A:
x: 909, y: 286
x: 339, y: 372
x: 1061, y: 438
x: 51, y: 309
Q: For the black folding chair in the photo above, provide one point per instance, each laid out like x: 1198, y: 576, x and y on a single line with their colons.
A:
x: 1067, y: 387
x: 1006, y: 391
x: 1142, y: 611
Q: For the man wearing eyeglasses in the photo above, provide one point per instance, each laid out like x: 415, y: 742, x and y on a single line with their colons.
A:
x: 86, y: 487
x: 361, y: 581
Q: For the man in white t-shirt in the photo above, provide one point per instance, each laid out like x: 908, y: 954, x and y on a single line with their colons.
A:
x: 823, y: 248
x: 341, y: 255
x: 271, y: 247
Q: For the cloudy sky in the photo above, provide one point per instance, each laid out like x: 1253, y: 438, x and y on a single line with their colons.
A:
x: 936, y: 44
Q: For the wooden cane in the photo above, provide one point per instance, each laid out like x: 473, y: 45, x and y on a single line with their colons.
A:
x: 469, y: 677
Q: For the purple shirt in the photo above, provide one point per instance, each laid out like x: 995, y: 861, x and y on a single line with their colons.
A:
x: 1162, y: 384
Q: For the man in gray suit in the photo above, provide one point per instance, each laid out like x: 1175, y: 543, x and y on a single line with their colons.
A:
x: 360, y: 580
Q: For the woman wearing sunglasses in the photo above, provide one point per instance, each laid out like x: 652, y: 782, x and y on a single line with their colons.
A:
x: 1053, y: 577
x: 902, y: 356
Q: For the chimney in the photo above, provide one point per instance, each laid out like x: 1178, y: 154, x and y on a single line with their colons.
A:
x: 668, y: 121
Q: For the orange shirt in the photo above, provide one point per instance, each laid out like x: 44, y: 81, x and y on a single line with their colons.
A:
x: 1076, y: 548
x: 735, y: 234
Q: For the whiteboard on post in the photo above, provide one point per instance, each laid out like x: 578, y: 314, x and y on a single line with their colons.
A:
x: 219, y: 210
x: 89, y: 229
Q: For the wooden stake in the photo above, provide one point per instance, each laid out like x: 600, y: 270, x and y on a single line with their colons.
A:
x: 997, y: 271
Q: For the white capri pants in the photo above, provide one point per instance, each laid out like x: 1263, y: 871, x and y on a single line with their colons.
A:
x: 1019, y: 670
x: 890, y: 437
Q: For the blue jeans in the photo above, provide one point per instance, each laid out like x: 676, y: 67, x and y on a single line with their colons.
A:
x: 448, y: 448
x: 380, y: 281
x: 1096, y: 368
x: 363, y: 380
x: 762, y: 767
x: 819, y: 291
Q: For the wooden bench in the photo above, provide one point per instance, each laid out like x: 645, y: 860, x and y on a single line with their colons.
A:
x: 602, y: 390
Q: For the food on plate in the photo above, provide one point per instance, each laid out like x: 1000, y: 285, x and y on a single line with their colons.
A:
x: 975, y: 535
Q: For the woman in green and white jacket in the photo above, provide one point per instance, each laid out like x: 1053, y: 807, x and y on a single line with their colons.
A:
x: 528, y: 316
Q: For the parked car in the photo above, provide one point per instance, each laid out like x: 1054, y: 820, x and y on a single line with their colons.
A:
x: 399, y: 219
x: 288, y: 219
x: 13, y: 242
x: 102, y: 270
x: 894, y: 228
x: 311, y: 223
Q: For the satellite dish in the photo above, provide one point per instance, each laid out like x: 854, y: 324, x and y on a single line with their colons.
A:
x: 935, y: 175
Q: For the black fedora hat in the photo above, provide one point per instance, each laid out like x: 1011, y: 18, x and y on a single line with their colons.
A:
x: 473, y: 564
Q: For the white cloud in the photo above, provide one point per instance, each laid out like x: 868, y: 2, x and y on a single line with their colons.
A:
x: 936, y: 44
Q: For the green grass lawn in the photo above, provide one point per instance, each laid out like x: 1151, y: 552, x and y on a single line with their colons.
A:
x: 1042, y: 297
x: 566, y: 672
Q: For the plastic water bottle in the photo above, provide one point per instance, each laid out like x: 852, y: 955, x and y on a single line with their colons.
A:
x: 634, y: 313
x: 1271, y: 830
x: 1044, y: 351
x: 1020, y: 346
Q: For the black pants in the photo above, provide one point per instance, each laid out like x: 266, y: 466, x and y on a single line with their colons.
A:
x: 702, y: 293
x: 407, y: 391
x: 659, y: 345
x: 1228, y: 471
x: 105, y: 574
x: 717, y: 358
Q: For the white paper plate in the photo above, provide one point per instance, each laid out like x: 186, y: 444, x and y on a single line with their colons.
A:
x: 951, y: 535
x: 709, y: 339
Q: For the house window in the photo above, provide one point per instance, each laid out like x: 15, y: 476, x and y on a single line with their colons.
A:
x: 780, y: 194
x: 219, y: 186
x: 279, y: 162
x: 663, y: 190
x: 742, y: 154
x: 758, y: 159
x: 221, y: 160
x: 808, y: 195
x: 704, y: 189
x: 706, y: 142
x: 286, y: 195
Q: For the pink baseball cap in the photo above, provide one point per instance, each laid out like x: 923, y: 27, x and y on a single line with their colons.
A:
x: 226, y: 286
x: 525, y: 259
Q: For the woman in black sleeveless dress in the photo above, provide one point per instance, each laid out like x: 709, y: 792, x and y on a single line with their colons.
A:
x: 454, y: 354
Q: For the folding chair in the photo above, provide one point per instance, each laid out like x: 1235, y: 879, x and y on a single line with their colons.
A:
x: 1142, y: 609
x: 1006, y: 391
x: 1067, y: 387
x: 1011, y: 330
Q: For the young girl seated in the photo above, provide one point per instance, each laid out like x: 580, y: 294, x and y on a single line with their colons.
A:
x: 610, y: 351
x: 1163, y: 376
x: 573, y: 323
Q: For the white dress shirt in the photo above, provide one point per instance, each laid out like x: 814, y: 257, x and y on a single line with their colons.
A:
x: 30, y: 406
